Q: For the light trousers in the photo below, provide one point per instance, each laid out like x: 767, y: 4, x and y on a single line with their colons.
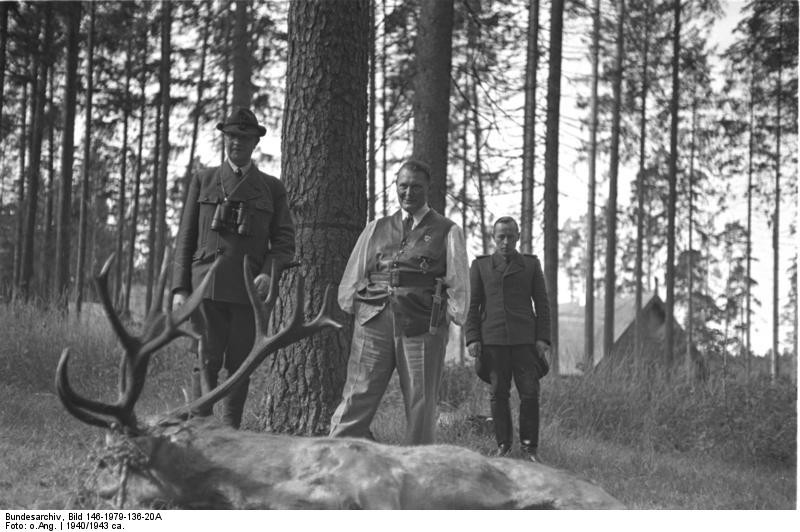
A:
x: 378, y: 348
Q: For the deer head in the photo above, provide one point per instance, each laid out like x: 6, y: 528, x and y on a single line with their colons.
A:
x: 188, y: 462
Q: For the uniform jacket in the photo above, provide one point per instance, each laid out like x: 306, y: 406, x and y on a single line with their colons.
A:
x: 500, y: 310
x: 271, y: 232
x: 420, y: 251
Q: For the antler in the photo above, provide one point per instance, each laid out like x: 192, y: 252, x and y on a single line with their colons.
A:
x: 265, y: 344
x: 161, y: 327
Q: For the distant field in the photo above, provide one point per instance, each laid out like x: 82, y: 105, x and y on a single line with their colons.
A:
x: 683, y: 450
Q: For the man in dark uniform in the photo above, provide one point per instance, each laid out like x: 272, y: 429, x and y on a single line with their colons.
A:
x: 507, y: 331
x: 231, y: 211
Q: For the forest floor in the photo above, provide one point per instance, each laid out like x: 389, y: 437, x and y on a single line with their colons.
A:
x: 46, y: 454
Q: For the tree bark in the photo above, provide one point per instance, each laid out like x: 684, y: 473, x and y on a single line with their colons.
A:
x: 87, y: 155
x: 611, y: 211
x: 323, y: 164
x: 385, y: 117
x: 529, y: 129
x: 20, y: 219
x: 591, y: 230
x: 242, y: 90
x: 64, y: 223
x: 673, y: 177
x: 48, y: 251
x: 431, y: 103
x: 153, y: 218
x: 551, y: 174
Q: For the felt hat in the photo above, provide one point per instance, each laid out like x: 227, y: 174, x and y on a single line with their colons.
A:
x: 242, y: 121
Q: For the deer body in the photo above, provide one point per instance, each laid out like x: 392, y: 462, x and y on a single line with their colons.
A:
x: 203, y: 464
x: 192, y: 462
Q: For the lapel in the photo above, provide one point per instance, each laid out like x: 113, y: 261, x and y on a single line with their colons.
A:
x: 244, y: 189
x: 515, y: 264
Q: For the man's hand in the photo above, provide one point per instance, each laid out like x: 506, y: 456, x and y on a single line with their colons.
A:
x: 475, y: 349
x: 543, y: 349
x: 179, y: 298
x: 262, y: 285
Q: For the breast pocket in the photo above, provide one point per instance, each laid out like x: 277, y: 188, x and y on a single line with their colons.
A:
x: 208, y: 205
x: 261, y: 216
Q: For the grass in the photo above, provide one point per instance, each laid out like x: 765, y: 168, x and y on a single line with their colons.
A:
x: 653, y: 446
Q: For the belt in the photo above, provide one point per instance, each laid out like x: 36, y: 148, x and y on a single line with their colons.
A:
x: 402, y: 278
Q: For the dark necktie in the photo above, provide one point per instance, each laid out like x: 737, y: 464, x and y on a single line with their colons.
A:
x: 408, y: 222
x: 238, y: 172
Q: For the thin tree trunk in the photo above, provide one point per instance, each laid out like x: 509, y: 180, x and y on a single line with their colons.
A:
x: 134, y: 224
x: 776, y: 221
x: 164, y: 75
x: 640, y: 184
x: 82, y: 223
x: 328, y: 51
x: 4, y: 6
x: 63, y: 226
x: 242, y: 91
x: 551, y: 174
x: 198, y: 108
x: 750, y: 150
x: 529, y: 129
x: 37, y: 138
x: 153, y: 218
x: 122, y: 184
x: 673, y: 176
x: 690, y: 261
x: 591, y: 230
x: 49, y: 250
x: 611, y: 212
x: 23, y: 147
x: 226, y: 69
x: 433, y: 50
x: 476, y: 133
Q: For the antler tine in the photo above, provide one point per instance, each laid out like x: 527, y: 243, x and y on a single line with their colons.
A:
x: 157, y: 305
x: 129, y: 343
x: 264, y: 346
x: 78, y: 406
x: 262, y: 309
x: 323, y: 318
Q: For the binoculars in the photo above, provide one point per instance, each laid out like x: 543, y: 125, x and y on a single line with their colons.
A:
x: 232, y: 216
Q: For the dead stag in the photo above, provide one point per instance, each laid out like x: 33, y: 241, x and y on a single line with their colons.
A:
x: 180, y: 461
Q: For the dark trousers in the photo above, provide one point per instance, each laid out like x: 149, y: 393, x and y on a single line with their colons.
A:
x: 517, y: 361
x: 227, y: 335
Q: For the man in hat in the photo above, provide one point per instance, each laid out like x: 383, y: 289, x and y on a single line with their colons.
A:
x: 231, y: 211
x: 405, y: 276
x: 504, y: 330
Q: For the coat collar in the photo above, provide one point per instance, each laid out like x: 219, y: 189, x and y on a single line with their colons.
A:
x: 241, y: 189
x: 515, y: 263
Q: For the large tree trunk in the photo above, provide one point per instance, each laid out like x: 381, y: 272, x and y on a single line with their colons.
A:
x: 371, y: 150
x: 164, y: 75
x: 611, y: 211
x: 323, y: 164
x: 591, y: 229
x: 433, y: 49
x: 640, y: 184
x: 87, y: 155
x: 529, y: 129
x: 242, y: 91
x: 673, y: 177
x: 551, y: 173
x: 126, y: 111
x: 63, y: 225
